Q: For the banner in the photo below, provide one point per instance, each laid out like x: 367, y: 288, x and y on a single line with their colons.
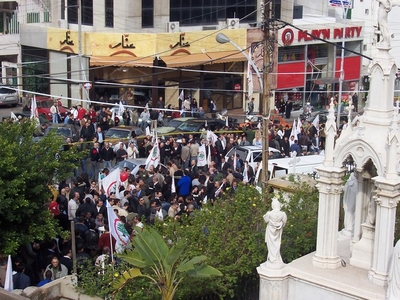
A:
x: 34, y: 110
x: 211, y: 136
x: 111, y: 182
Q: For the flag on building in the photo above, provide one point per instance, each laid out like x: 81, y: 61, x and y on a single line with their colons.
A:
x: 8, y: 283
x: 154, y: 156
x: 121, y: 109
x: 111, y: 182
x: 34, y: 110
x: 212, y: 137
x: 182, y: 95
x: 249, y: 78
x: 117, y: 230
x: 173, y: 187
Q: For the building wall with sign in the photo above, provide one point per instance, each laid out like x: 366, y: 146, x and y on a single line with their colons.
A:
x: 309, y: 65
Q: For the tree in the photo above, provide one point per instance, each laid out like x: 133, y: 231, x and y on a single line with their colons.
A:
x: 27, y: 169
x: 167, y: 267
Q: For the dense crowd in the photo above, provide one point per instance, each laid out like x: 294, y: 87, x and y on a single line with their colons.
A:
x: 176, y: 187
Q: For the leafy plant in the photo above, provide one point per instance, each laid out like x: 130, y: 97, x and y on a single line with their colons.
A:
x: 166, y: 264
x: 27, y: 168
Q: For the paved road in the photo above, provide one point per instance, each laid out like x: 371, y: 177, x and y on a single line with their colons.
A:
x: 5, y: 111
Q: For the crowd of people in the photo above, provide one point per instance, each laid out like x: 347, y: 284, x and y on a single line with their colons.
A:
x: 154, y: 193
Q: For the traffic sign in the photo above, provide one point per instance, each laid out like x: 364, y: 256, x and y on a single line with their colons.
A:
x: 87, y: 85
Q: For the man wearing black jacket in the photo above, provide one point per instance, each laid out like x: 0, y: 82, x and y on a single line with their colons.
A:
x: 107, y: 155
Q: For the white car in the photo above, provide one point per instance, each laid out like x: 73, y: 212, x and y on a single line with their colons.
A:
x: 252, y: 154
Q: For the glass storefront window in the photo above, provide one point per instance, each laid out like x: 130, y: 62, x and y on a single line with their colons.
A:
x: 286, y: 54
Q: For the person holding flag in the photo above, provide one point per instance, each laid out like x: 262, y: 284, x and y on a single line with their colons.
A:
x: 117, y: 230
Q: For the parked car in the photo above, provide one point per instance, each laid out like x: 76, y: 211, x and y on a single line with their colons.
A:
x: 8, y: 96
x: 115, y: 134
x: 44, y: 104
x: 195, y: 126
x: 172, y: 125
x: 64, y: 130
x: 133, y: 165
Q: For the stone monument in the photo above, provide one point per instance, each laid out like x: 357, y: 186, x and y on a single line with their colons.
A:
x: 355, y: 267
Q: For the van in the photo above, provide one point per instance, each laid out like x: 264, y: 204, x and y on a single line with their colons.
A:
x: 284, y: 166
x: 251, y: 154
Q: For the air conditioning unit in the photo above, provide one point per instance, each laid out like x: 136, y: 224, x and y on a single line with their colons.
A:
x: 232, y: 23
x: 172, y: 26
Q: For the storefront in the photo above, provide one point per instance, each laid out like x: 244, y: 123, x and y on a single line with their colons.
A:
x: 309, y: 68
x: 157, y: 64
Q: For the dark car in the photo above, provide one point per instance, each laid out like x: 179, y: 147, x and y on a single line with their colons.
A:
x: 115, y: 134
x: 195, y: 126
x: 64, y: 130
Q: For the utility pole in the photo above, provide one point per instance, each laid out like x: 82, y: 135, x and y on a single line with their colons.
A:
x: 79, y: 3
x: 266, y: 92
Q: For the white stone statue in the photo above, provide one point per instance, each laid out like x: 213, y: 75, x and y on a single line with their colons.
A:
x: 349, y: 204
x: 385, y: 6
x: 276, y: 220
x: 393, y: 291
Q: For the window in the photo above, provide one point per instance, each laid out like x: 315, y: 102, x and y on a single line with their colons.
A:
x: 62, y: 7
x: 87, y: 12
x: 72, y: 11
x: 147, y: 13
x: 109, y: 13
x: 204, y: 12
x: 32, y: 17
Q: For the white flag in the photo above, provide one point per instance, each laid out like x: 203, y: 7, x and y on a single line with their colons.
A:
x: 117, y: 230
x: 14, y: 117
x: 8, y: 283
x: 113, y: 117
x: 245, y: 177
x: 34, y: 110
x: 209, y: 156
x: 212, y: 137
x: 148, y: 131
x: 226, y: 121
x: 259, y: 125
x: 111, y: 182
x: 249, y: 78
x: 121, y: 109
x: 294, y: 130
x: 154, y: 157
x: 202, y: 157
x: 182, y: 96
x: 234, y: 162
x: 316, y: 123
x: 298, y: 128
x: 173, y: 187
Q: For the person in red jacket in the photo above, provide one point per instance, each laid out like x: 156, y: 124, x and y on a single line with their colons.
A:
x: 81, y: 113
x: 104, y: 240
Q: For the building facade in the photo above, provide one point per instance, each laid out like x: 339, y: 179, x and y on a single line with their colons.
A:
x: 161, y: 47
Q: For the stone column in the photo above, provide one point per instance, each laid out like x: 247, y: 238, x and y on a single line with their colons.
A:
x: 273, y: 282
x: 387, y: 196
x: 360, y: 205
x: 330, y: 187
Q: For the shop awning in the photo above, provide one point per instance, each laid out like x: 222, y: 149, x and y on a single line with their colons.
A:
x: 173, y: 61
x: 328, y: 80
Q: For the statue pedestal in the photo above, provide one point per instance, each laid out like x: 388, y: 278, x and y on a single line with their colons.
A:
x: 273, y: 282
x: 362, y: 253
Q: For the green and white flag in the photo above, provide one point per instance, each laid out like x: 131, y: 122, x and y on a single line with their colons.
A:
x: 154, y: 157
x: 117, y: 230
x: 202, y: 158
